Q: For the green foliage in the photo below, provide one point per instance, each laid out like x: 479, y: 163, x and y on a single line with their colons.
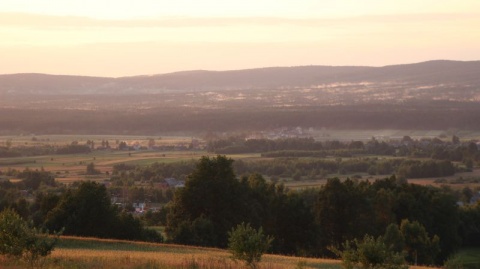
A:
x: 343, y: 212
x: 248, y: 244
x: 467, y: 258
x: 32, y: 179
x: 20, y: 241
x: 211, y: 199
x: 370, y: 253
x: 394, y: 238
x: 88, y: 211
x: 420, y: 247
x: 470, y: 225
x: 73, y: 149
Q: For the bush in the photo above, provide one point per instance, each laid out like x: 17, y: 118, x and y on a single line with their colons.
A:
x: 248, y: 244
x: 20, y: 241
x: 370, y: 253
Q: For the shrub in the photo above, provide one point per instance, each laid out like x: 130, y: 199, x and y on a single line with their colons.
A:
x: 20, y: 241
x: 370, y: 253
x: 248, y: 244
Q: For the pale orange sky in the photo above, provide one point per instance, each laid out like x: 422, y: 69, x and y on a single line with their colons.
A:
x: 124, y: 38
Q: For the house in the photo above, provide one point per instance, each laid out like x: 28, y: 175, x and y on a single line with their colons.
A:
x: 139, y: 207
x: 175, y: 183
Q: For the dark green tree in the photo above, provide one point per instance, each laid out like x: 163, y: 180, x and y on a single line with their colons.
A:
x: 419, y: 246
x: 211, y: 193
x: 394, y: 238
x: 87, y: 211
x: 343, y: 212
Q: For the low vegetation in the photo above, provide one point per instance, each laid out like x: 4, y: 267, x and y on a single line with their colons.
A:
x: 248, y: 244
x: 20, y: 241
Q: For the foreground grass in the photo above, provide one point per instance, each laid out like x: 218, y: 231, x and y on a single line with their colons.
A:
x: 468, y: 258
x: 86, y: 253
x: 76, y: 252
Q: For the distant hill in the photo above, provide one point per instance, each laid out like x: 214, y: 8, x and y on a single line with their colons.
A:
x: 426, y: 73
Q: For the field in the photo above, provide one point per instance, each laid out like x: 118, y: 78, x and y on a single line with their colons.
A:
x: 70, y: 168
x: 468, y: 258
x: 457, y: 181
x: 75, y: 252
x: 78, y: 252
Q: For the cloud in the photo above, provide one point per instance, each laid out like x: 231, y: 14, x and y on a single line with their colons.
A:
x: 51, y: 21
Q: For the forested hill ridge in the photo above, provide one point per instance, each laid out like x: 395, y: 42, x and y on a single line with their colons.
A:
x: 435, y: 95
x: 428, y: 75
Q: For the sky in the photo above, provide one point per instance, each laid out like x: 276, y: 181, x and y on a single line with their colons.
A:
x: 145, y: 37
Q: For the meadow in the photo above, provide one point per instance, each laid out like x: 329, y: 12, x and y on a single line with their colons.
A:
x: 468, y: 258
x: 78, y: 252
x: 81, y: 252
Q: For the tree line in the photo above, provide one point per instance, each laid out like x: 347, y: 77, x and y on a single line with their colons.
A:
x: 434, y: 148
x: 311, y: 222
x: 419, y: 116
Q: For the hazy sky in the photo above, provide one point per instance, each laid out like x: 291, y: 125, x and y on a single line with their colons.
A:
x: 120, y: 37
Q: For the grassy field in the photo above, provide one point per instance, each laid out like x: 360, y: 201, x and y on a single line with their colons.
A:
x: 468, y: 258
x: 75, y: 252
x: 79, y: 253
x: 104, y: 160
x: 59, y: 140
x: 68, y: 168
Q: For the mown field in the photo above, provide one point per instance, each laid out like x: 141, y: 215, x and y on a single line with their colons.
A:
x: 79, y: 253
x: 76, y: 252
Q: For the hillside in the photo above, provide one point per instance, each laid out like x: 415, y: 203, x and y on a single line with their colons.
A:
x: 462, y: 74
x: 429, y: 95
x: 78, y: 252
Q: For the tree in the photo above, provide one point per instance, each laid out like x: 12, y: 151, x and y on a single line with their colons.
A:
x: 122, y: 145
x: 394, y: 238
x: 87, y: 211
x: 212, y: 195
x: 34, y: 179
x: 8, y: 143
x: 370, y: 253
x: 248, y: 244
x: 91, y: 169
x: 420, y: 247
x: 20, y: 241
x: 151, y: 143
x: 343, y: 211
